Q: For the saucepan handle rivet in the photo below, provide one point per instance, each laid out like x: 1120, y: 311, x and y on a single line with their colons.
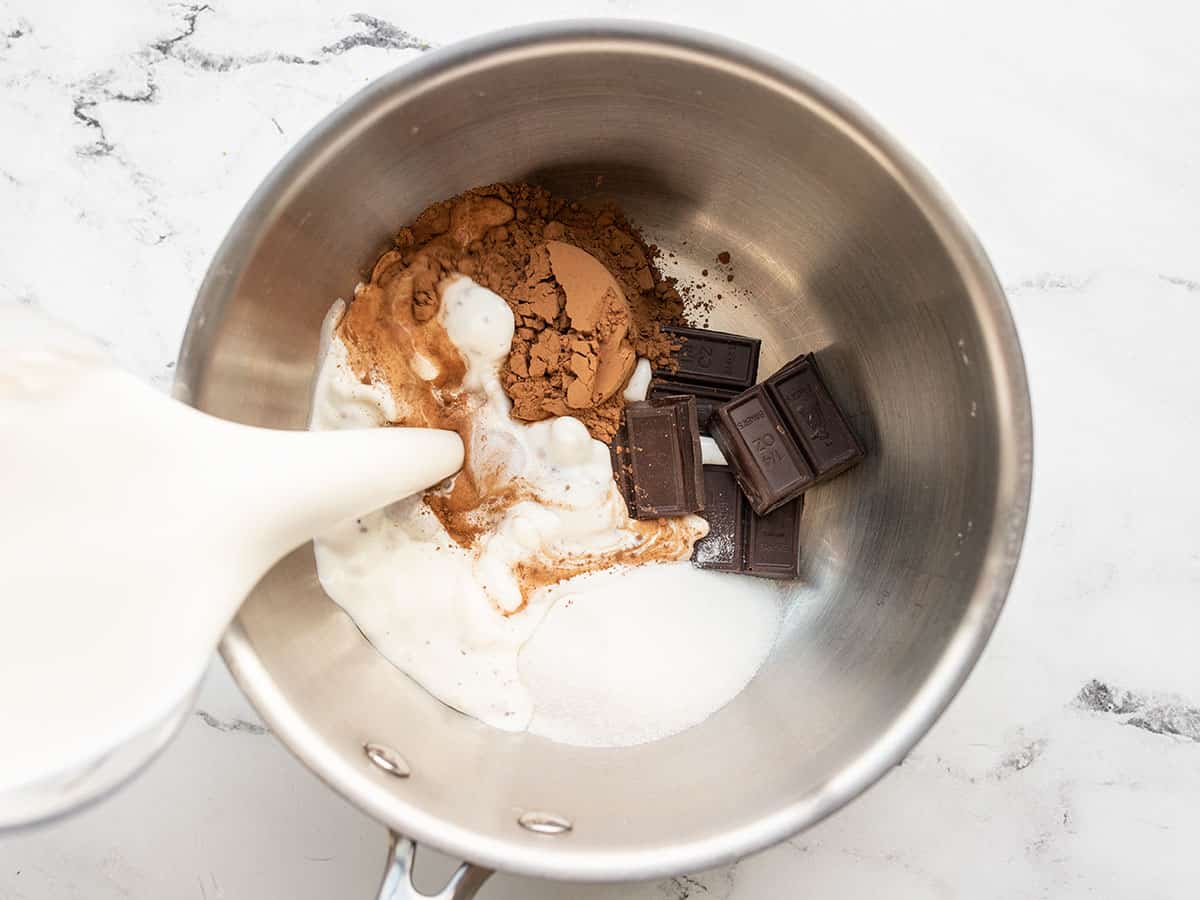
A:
x: 387, y: 759
x: 544, y: 822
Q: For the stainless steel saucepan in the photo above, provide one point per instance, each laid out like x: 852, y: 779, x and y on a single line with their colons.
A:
x: 842, y: 245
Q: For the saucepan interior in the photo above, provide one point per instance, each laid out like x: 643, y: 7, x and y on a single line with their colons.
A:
x: 840, y: 245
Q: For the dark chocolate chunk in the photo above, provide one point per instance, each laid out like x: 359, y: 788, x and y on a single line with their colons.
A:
x: 714, y: 358
x: 657, y: 458
x: 740, y: 540
x: 807, y: 407
x: 790, y: 416
x: 707, y: 398
x: 773, y: 542
x: 725, y: 508
x: 765, y: 458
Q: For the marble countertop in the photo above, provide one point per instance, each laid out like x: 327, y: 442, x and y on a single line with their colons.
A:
x: 1069, y: 766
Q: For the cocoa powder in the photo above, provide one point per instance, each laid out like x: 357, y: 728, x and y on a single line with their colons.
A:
x: 581, y: 282
x: 657, y: 540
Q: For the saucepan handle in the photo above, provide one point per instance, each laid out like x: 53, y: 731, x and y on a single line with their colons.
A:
x: 398, y: 876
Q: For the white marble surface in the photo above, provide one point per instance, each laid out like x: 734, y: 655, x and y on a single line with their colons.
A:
x: 131, y: 132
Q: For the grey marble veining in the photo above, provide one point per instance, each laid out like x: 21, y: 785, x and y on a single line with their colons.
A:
x: 1069, y: 766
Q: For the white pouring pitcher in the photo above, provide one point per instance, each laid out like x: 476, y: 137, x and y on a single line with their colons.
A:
x: 131, y: 528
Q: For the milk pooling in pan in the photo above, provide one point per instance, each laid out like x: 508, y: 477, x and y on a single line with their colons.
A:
x: 545, y: 607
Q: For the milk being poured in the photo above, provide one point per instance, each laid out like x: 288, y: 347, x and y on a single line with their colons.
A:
x: 133, y: 527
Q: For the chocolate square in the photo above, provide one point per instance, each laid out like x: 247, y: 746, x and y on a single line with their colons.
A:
x: 725, y: 509
x: 807, y: 407
x: 765, y: 458
x: 657, y: 458
x: 714, y: 358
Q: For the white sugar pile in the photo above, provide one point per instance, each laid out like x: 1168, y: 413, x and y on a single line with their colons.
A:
x: 634, y: 655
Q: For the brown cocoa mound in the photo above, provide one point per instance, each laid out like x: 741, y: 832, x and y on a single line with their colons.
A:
x: 581, y: 282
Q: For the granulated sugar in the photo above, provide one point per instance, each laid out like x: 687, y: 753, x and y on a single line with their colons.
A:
x: 627, y: 656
